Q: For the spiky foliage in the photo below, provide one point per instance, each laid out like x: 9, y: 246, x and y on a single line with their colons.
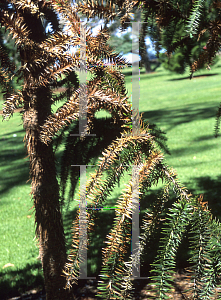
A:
x: 204, y: 272
x: 205, y: 244
x: 47, y: 64
x: 200, y: 20
x: 141, y: 152
x: 194, y: 18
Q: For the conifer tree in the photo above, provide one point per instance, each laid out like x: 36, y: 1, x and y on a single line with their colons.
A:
x: 46, y: 64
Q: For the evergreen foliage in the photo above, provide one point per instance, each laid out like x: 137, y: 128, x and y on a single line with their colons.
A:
x: 194, y: 18
x: 182, y: 57
x: 121, y: 44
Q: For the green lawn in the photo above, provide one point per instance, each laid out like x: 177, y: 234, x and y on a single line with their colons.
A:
x: 185, y: 109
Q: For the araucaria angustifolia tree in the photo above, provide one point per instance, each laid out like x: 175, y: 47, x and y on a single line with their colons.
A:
x: 47, y: 63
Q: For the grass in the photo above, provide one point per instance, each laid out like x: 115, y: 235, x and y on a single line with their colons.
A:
x: 19, y: 266
x: 185, y: 109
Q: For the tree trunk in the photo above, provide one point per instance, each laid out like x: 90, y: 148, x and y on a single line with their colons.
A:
x: 145, y: 58
x: 143, y: 50
x: 45, y: 192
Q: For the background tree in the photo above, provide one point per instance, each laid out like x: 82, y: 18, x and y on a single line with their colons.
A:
x: 187, y: 25
x: 184, y: 56
x: 121, y: 44
x: 124, y: 42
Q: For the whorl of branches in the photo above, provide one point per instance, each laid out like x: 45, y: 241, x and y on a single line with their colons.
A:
x: 141, y: 151
x: 116, y: 273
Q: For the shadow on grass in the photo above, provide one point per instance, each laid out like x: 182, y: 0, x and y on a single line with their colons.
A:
x: 199, y: 149
x: 184, y: 114
x: 194, y: 76
x: 14, y: 165
x: 128, y: 73
x: 16, y: 282
x: 211, y: 190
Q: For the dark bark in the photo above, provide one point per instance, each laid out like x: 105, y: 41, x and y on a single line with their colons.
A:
x: 45, y: 193
x: 45, y: 188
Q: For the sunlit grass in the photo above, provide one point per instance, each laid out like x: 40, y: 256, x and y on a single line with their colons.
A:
x: 185, y: 109
x: 19, y: 266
